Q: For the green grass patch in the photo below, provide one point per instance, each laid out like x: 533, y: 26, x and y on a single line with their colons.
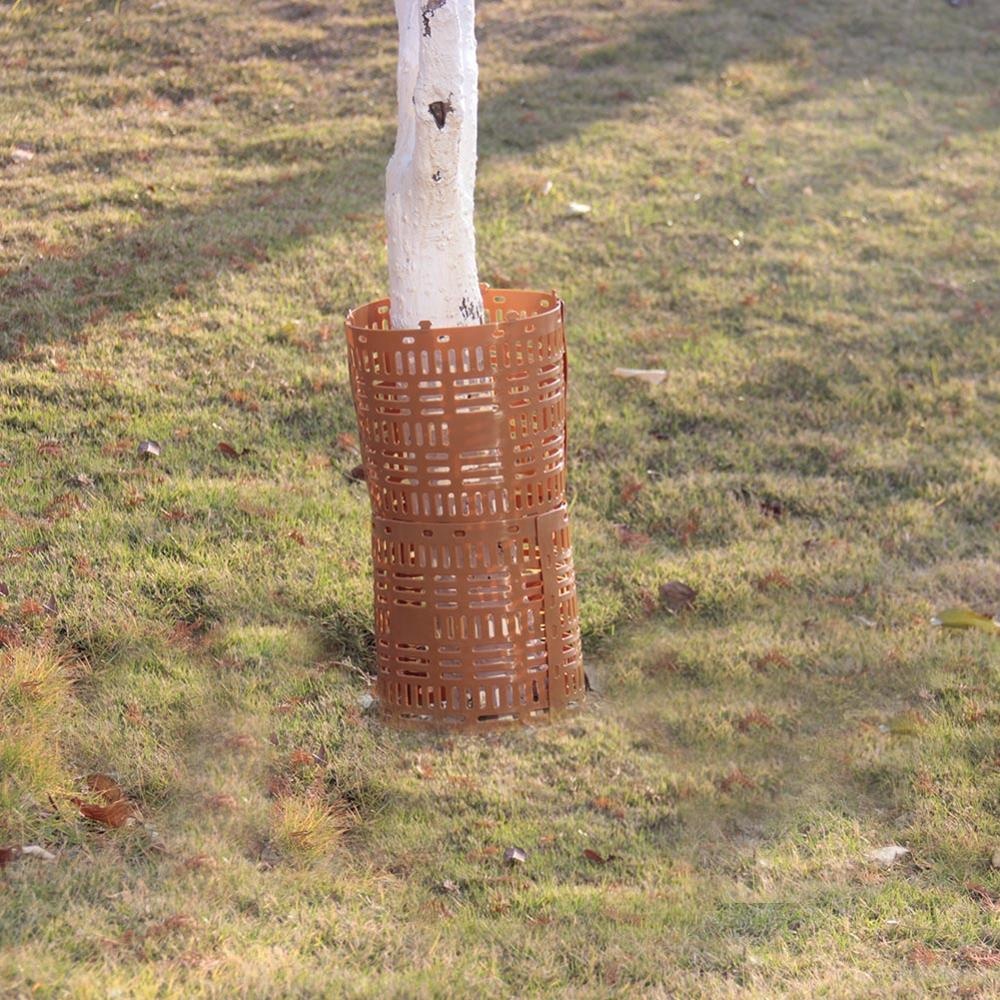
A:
x: 795, y: 214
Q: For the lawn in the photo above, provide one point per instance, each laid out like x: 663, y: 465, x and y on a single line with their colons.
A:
x: 796, y: 213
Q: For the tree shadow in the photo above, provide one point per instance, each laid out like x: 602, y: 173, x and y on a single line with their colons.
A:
x: 573, y: 68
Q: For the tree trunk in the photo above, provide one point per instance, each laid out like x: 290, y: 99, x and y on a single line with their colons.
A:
x: 431, y: 177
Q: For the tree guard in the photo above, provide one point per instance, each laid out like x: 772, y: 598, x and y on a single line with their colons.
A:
x: 460, y: 393
x: 463, y: 437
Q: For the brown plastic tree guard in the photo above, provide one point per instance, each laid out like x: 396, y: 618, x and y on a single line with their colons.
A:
x: 463, y: 437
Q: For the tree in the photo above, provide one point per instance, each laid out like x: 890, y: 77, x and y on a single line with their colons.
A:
x: 431, y: 177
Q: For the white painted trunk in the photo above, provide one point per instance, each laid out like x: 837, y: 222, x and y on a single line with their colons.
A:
x: 431, y: 177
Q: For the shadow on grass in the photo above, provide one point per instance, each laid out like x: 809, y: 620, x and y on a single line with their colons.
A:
x: 577, y: 70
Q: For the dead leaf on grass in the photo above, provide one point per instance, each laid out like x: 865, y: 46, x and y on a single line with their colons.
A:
x: 603, y: 804
x: 677, y: 597
x: 515, y: 856
x: 982, y: 956
x: 736, y: 778
x: 964, y: 618
x: 177, y: 922
x: 888, y: 855
x: 989, y: 901
x: 34, y: 851
x: 199, y: 862
x: 631, y: 539
x: 651, y: 376
x: 754, y: 719
x: 115, y: 815
x: 631, y: 489
x: 105, y: 786
x: 490, y: 851
x: 222, y: 803
x: 304, y: 758
x: 347, y: 441
x: 241, y: 741
x: 225, y: 448
x: 922, y: 955
x: 598, y: 859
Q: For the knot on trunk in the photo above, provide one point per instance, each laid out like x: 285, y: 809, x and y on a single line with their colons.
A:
x: 439, y: 111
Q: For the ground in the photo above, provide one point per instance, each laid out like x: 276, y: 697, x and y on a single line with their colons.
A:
x: 796, y: 213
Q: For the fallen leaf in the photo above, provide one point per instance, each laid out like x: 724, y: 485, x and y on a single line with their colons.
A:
x: 106, y: 787
x: 772, y: 658
x: 348, y: 442
x: 631, y: 539
x: 450, y: 887
x: 577, y: 208
x: 149, y: 449
x: 986, y: 899
x: 4, y: 589
x: 279, y: 785
x: 241, y: 741
x: 630, y: 490
x: 774, y: 580
x: 179, y: 921
x: 199, y: 862
x: 609, y: 806
x: 888, y: 855
x: 225, y: 803
x: 964, y: 618
x: 754, y: 719
x: 922, y: 955
x: 483, y: 853
x: 229, y: 451
x: 677, y: 597
x: 357, y: 474
x: 737, y: 778
x: 515, y: 856
x: 34, y: 851
x: 50, y: 447
x: 995, y: 860
x: 117, y: 814
x: 981, y: 956
x: 772, y: 508
x: 653, y: 376
x: 596, y: 858
x: 8, y: 855
x: 22, y: 154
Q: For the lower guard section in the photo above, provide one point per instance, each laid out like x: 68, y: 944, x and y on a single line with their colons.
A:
x: 476, y: 625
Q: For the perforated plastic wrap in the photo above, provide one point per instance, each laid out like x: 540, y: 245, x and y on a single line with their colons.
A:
x: 463, y: 436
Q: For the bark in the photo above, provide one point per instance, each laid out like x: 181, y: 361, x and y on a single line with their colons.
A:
x: 431, y: 177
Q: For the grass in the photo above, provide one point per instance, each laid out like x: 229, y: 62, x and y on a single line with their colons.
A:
x: 795, y: 212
